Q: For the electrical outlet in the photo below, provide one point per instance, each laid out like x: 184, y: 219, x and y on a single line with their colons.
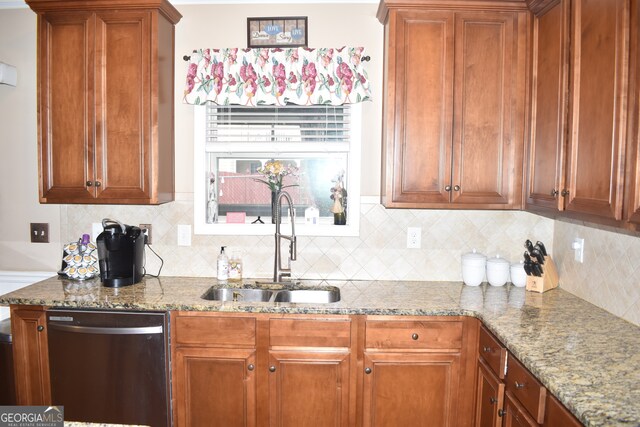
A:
x: 184, y: 235
x: 96, y: 229
x: 146, y: 229
x: 39, y: 232
x: 578, y: 248
x: 414, y: 237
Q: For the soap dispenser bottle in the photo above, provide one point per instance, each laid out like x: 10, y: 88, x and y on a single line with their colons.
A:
x: 223, y: 265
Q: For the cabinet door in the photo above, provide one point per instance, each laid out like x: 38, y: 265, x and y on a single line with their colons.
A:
x: 410, y: 389
x: 490, y: 398
x: 309, y: 388
x: 123, y: 107
x: 214, y: 387
x: 515, y: 415
x: 488, y: 139
x: 548, y: 112
x: 66, y: 106
x: 30, y: 355
x: 599, y: 81
x: 418, y: 108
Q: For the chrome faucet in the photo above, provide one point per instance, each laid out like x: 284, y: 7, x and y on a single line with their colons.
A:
x: 278, y: 270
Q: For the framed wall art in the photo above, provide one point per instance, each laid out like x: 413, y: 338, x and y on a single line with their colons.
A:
x: 287, y: 31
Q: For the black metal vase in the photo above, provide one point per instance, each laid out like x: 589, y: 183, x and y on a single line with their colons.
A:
x: 274, y: 207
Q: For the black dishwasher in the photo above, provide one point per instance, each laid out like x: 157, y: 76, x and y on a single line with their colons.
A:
x: 110, y: 367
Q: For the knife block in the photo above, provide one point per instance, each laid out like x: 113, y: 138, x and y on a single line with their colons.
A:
x: 547, y: 281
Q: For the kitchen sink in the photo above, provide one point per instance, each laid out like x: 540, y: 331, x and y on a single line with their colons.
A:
x: 290, y: 292
x: 311, y: 296
x: 238, y: 294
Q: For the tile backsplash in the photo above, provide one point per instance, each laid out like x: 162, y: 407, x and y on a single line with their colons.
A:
x: 608, y: 278
x: 610, y: 274
x: 379, y: 253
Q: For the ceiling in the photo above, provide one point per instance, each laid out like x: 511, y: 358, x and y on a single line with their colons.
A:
x: 17, y: 4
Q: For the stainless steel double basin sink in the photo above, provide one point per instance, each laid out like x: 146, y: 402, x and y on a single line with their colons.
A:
x: 274, y: 292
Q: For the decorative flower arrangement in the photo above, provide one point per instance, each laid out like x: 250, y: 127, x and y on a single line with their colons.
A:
x: 274, y: 171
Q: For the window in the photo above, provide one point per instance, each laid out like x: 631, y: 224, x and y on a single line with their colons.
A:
x: 319, y: 143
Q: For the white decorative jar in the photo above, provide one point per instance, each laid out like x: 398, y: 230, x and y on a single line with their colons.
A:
x: 473, y: 268
x: 497, y: 271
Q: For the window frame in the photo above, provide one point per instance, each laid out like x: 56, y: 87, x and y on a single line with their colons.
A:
x: 354, y: 159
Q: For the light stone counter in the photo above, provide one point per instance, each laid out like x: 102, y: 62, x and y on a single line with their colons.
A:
x: 586, y: 357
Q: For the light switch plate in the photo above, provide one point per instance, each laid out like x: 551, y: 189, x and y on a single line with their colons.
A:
x: 39, y: 232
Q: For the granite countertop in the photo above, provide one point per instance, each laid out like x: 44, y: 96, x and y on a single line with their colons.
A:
x: 588, y: 358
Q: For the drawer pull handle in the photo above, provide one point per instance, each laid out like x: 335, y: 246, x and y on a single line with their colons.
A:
x: 367, y: 371
x: 520, y: 385
x: 89, y: 183
x: 251, y: 367
x: 486, y: 349
x: 492, y: 400
x: 40, y: 328
x: 272, y: 368
x: 502, y: 412
x: 414, y: 336
x: 447, y: 188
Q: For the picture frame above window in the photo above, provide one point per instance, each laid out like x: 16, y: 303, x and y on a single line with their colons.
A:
x: 287, y: 31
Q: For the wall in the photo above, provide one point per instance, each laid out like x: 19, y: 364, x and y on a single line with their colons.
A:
x: 19, y: 160
x: 378, y: 253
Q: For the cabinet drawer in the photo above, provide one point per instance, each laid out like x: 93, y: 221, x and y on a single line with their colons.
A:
x: 555, y: 414
x: 413, y: 334
x: 215, y: 330
x: 493, y: 352
x: 528, y: 390
x: 310, y: 333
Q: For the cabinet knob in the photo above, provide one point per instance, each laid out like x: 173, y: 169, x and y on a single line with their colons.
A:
x: 447, y: 188
x: 492, y: 400
x: 251, y: 367
x: 519, y: 385
x: 554, y: 192
x: 564, y: 193
x: 89, y: 183
x: 486, y: 349
x: 415, y: 336
x: 272, y: 368
x: 502, y: 412
x: 98, y: 183
x: 40, y: 328
x: 456, y: 188
x: 367, y: 370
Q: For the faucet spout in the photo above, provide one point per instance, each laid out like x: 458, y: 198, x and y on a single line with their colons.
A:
x: 278, y: 270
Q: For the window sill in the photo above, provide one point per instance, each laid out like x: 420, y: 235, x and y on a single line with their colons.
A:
x: 267, y: 229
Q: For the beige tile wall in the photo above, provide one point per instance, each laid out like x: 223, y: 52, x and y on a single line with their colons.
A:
x: 610, y: 274
x: 379, y: 253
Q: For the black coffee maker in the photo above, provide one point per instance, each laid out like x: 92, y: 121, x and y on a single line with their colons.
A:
x: 120, y: 253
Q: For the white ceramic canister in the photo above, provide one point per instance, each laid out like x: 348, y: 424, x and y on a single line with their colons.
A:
x: 518, y: 275
x: 497, y: 271
x: 473, y: 268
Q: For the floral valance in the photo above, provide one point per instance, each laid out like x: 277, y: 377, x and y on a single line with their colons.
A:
x: 277, y: 76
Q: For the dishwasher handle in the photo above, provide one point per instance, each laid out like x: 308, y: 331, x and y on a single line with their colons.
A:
x: 140, y: 330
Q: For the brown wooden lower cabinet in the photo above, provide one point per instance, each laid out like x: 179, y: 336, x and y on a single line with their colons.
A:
x: 411, y: 389
x: 309, y: 388
x: 515, y: 415
x: 490, y: 398
x: 243, y: 369
x: 30, y: 355
x: 214, y: 387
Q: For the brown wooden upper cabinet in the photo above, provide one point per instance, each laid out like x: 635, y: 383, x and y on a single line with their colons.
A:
x: 453, y: 120
x: 105, y: 101
x: 579, y: 108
